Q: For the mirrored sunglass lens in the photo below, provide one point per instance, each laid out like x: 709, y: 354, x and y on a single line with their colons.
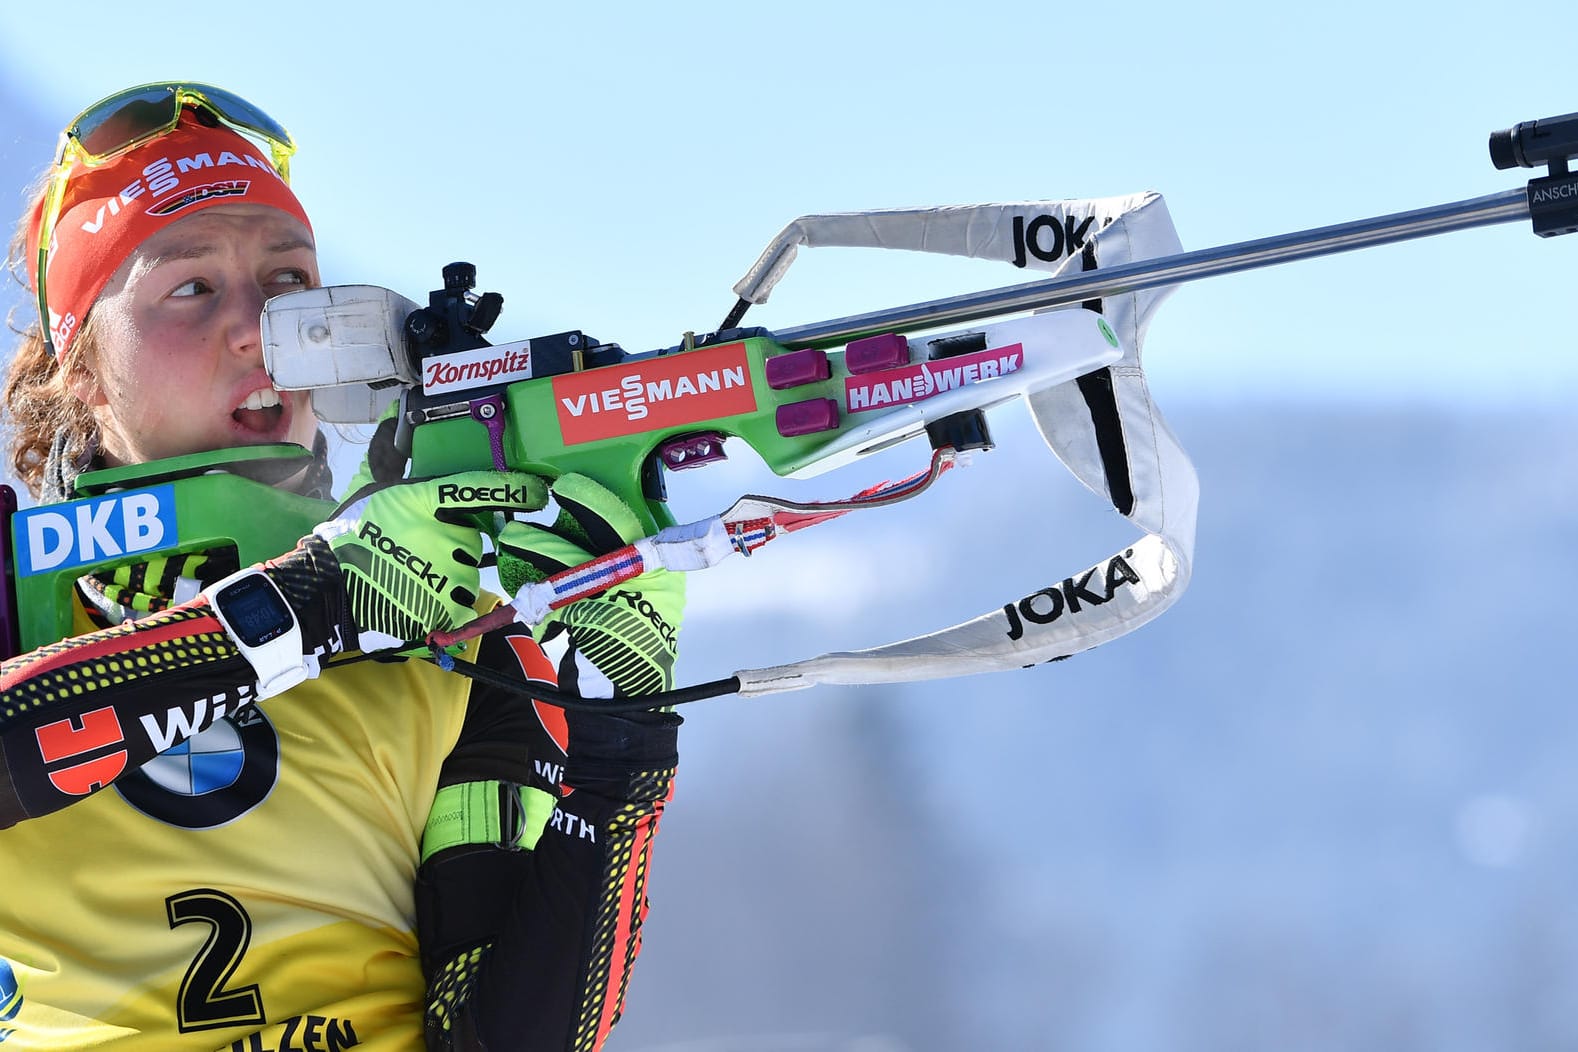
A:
x: 239, y: 111
x: 126, y: 119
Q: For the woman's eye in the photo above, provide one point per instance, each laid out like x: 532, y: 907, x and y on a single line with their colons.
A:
x: 291, y: 277
x: 195, y: 287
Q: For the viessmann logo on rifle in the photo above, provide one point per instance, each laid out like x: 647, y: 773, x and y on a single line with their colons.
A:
x: 654, y: 393
x: 484, y: 365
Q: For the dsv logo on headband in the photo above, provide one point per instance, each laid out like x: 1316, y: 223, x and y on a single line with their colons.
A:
x: 162, y: 176
x: 187, y: 198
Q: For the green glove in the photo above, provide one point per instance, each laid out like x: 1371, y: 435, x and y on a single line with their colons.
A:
x: 410, y: 552
x: 619, y: 643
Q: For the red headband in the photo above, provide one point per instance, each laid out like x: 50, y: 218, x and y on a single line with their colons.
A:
x: 110, y: 209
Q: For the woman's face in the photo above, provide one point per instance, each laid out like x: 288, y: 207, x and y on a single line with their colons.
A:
x: 178, y: 364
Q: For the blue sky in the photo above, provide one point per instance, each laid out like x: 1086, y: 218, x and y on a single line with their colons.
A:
x: 617, y: 172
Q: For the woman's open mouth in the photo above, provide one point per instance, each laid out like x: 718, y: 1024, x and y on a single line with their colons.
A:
x: 260, y: 412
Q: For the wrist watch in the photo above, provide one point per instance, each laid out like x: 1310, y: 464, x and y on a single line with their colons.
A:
x: 263, y: 626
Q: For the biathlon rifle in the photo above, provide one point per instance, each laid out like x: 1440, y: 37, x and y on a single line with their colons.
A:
x: 814, y: 397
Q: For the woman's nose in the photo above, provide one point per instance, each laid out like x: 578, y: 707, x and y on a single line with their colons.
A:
x: 243, y: 334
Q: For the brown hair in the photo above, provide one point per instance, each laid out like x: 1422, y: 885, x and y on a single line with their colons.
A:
x: 36, y: 401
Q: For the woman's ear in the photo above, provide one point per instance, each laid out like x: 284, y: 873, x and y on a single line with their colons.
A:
x: 81, y: 380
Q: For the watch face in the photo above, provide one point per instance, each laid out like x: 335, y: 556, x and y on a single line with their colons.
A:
x: 255, y: 611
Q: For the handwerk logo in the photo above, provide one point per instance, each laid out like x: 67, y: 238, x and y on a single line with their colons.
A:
x: 916, y: 383
x: 83, y: 532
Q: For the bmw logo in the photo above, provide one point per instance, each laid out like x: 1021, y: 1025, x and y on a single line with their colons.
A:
x: 212, y: 778
x: 10, y: 993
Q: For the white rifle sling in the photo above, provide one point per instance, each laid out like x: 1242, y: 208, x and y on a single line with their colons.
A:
x: 1104, y: 427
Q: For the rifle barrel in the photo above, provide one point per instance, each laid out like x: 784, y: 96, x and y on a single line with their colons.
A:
x: 1143, y: 274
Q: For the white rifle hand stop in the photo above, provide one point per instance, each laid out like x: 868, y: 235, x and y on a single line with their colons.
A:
x: 345, y: 343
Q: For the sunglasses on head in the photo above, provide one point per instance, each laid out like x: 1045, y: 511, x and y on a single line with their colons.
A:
x: 124, y: 121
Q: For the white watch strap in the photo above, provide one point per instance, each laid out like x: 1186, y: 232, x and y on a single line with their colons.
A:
x: 278, y: 662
